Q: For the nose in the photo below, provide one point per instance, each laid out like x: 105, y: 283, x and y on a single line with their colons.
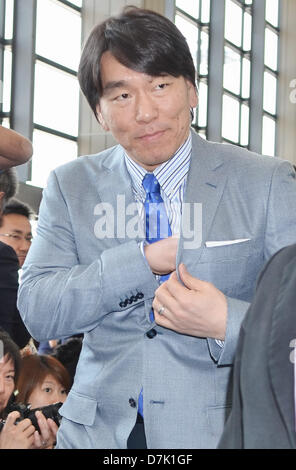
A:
x: 146, y: 108
x: 55, y: 398
x: 24, y: 245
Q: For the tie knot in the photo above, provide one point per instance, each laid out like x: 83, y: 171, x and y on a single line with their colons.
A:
x: 150, y: 184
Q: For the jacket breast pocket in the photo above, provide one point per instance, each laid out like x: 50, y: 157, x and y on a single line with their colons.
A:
x: 232, y: 268
x: 229, y: 252
x: 79, y: 408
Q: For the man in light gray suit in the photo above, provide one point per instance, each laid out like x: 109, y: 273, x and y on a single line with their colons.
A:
x: 91, y: 271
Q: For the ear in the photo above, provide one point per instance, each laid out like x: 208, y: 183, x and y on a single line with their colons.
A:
x: 101, y: 119
x: 192, y: 93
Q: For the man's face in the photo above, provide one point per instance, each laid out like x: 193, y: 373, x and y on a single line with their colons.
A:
x: 15, y: 231
x: 148, y: 116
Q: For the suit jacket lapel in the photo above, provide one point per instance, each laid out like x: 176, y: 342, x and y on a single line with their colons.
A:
x: 116, y: 189
x: 205, y: 185
x: 283, y: 332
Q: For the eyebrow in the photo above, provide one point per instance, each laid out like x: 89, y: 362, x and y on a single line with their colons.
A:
x: 114, y: 85
x: 20, y: 232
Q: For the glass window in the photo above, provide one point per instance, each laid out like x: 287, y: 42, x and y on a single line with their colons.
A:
x: 58, y: 33
x: 270, y: 89
x: 271, y: 49
x: 204, y: 53
x: 230, y: 119
x: 245, y: 115
x: 232, y: 71
x: 233, y: 22
x: 78, y: 3
x: 5, y: 123
x: 189, y: 6
x: 202, y: 104
x: 247, y: 40
x: 268, y: 139
x: 50, y: 151
x: 205, y: 11
x: 9, y: 8
x: 7, y: 77
x: 272, y: 12
x: 246, y: 78
x: 56, y: 103
x: 190, y: 31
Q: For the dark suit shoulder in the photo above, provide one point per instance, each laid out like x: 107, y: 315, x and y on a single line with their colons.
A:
x: 284, y: 258
x: 9, y: 267
x: 6, y: 252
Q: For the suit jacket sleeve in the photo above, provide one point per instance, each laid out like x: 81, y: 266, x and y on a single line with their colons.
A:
x: 10, y: 319
x: 280, y: 231
x: 58, y: 295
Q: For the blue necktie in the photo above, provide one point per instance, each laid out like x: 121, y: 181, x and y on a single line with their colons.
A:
x: 157, y: 228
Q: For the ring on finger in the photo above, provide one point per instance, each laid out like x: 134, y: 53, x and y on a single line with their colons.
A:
x: 160, y: 310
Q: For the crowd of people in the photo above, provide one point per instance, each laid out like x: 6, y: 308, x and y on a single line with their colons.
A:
x: 149, y: 326
x: 29, y: 380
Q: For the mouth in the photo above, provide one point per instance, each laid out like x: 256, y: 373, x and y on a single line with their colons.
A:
x: 150, y: 137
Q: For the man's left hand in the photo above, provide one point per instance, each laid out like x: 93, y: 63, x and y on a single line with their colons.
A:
x: 196, y: 308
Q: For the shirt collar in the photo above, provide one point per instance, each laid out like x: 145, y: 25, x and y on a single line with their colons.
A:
x: 170, y: 174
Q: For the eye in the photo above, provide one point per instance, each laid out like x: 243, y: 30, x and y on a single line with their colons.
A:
x: 16, y: 237
x: 162, y: 86
x: 122, y: 97
x: 64, y: 392
x: 47, y: 389
x: 10, y: 378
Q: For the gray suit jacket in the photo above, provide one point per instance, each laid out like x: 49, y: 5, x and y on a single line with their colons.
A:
x: 263, y: 413
x: 75, y: 282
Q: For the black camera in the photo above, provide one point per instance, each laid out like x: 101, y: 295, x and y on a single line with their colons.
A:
x: 50, y: 411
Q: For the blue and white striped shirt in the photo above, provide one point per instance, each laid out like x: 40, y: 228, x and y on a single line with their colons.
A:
x: 172, y: 177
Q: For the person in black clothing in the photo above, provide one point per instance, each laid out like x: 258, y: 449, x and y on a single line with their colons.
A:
x: 10, y: 319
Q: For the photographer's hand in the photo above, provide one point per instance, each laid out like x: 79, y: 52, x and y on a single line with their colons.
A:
x: 48, y: 428
x: 17, y: 436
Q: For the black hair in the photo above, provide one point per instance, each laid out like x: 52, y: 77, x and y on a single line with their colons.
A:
x: 141, y: 40
x: 68, y: 354
x: 8, y: 347
x: 8, y: 184
x: 14, y: 206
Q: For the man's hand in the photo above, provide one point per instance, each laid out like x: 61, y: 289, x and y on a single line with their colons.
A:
x: 15, y: 149
x: 48, y: 428
x: 196, y: 308
x: 161, y: 256
x: 17, y: 436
